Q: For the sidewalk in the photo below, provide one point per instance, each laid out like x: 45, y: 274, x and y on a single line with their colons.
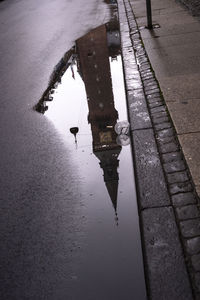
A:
x: 161, y: 75
x: 174, y: 53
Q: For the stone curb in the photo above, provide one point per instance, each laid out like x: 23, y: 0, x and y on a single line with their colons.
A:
x: 157, y: 152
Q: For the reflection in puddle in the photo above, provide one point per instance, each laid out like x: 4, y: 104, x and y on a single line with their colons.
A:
x: 90, y: 105
x: 94, y: 68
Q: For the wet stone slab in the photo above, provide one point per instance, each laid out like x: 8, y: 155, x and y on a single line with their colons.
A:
x: 174, y: 166
x: 177, y: 177
x: 181, y: 187
x: 171, y: 157
x: 164, y: 256
x: 153, y: 193
x: 183, y: 199
x: 196, y: 262
x: 162, y: 126
x: 190, y: 228
x: 168, y: 147
x: 193, y: 245
x: 187, y: 212
x: 138, y: 112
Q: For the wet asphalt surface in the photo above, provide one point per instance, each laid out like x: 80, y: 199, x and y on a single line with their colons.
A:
x: 44, y: 230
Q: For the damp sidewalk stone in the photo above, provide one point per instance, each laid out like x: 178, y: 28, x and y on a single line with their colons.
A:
x: 173, y: 49
x: 149, y: 172
x: 165, y: 261
x: 164, y: 185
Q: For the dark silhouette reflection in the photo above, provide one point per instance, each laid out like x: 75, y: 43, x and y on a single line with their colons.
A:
x: 94, y: 67
x: 92, y: 54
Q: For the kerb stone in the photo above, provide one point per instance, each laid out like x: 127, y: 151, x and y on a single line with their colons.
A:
x: 165, y: 263
x: 150, y: 178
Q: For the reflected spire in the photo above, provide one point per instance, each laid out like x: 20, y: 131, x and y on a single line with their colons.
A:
x: 94, y: 66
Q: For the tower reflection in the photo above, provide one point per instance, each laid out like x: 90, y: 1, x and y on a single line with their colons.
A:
x: 94, y: 67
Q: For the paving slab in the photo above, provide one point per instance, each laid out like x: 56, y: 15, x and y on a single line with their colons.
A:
x: 153, y: 193
x: 185, y: 89
x: 191, y: 143
x: 171, y: 30
x: 168, y: 41
x: 174, y: 53
x: 186, y: 115
x: 164, y: 256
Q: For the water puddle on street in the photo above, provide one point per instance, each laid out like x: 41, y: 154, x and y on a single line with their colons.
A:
x: 88, y: 108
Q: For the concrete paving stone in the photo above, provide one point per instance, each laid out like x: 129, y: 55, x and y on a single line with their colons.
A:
x: 146, y: 73
x: 152, y: 88
x: 193, y: 245
x: 141, y: 12
x: 165, y: 140
x: 150, y: 177
x: 137, y: 94
x: 180, y: 187
x: 183, y: 199
x: 196, y: 262
x: 141, y: 52
x: 154, y: 97
x: 132, y: 75
x: 187, y: 212
x: 172, y: 30
x: 169, y: 62
x: 142, y: 59
x: 132, y: 31
x: 159, y: 114
x: 160, y: 120
x: 197, y: 187
x: 190, y: 144
x: 135, y: 35
x: 144, y: 76
x: 168, y: 278
x: 144, y: 67
x: 157, y: 104
x: 190, y: 228
x: 152, y: 91
x: 185, y: 115
x: 182, y: 88
x: 197, y: 281
x: 165, y: 133
x: 138, y: 112
x: 162, y: 126
x: 178, y: 18
x: 171, y: 157
x: 136, y: 45
x: 158, y: 109
x: 167, y: 148
x: 133, y: 84
x: 149, y: 81
x: 174, y: 166
x: 177, y: 177
x: 172, y: 40
x: 125, y: 42
x: 155, y: 5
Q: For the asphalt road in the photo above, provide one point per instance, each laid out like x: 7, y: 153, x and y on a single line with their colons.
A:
x: 36, y: 167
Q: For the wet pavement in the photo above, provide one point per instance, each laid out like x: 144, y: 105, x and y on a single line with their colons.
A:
x: 167, y: 233
x: 90, y: 101
x: 55, y: 224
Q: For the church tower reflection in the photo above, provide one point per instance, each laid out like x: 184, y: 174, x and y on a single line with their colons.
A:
x: 94, y: 68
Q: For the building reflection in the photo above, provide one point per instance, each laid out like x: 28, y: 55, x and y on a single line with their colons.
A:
x: 93, y: 51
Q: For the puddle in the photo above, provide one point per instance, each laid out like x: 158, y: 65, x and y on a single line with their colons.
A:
x: 86, y: 103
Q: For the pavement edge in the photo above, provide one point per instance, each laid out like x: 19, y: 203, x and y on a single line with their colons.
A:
x: 164, y: 184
